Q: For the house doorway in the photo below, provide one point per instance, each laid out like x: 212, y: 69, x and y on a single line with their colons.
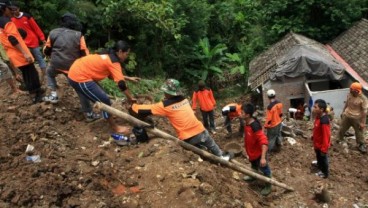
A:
x: 298, y: 104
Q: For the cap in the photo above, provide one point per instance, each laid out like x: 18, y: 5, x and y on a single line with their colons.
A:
x: 5, y: 3
x: 356, y: 86
x: 271, y: 93
x: 171, y: 87
x: 13, y: 5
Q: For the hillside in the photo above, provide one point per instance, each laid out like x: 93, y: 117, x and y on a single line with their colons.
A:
x: 79, y: 168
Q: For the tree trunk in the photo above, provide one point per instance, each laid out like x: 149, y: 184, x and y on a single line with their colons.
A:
x: 136, y: 122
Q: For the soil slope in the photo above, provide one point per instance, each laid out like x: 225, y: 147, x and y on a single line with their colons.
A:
x: 79, y: 168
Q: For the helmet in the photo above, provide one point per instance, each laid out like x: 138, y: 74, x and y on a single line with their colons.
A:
x: 271, y: 93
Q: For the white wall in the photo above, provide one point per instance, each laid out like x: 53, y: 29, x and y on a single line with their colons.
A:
x: 336, y: 98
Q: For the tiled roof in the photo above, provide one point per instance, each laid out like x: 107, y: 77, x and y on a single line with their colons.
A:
x: 261, y: 66
x: 352, y: 46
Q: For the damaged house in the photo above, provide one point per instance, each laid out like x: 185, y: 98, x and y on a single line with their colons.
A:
x: 302, y: 70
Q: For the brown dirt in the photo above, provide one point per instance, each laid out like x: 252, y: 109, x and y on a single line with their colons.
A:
x: 76, y: 172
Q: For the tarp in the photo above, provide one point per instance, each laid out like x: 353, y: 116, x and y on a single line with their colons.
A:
x: 306, y: 59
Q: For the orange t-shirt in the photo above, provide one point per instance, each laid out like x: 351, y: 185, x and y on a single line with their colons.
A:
x: 15, y: 56
x: 180, y: 114
x: 236, y: 113
x: 96, y: 67
x: 206, y: 100
x: 273, y: 114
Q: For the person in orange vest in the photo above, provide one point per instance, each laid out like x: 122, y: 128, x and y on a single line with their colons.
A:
x: 181, y: 116
x: 273, y: 121
x: 232, y: 111
x: 207, y: 104
x: 18, y: 53
x: 85, y: 72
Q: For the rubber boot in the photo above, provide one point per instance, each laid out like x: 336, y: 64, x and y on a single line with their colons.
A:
x: 267, y: 189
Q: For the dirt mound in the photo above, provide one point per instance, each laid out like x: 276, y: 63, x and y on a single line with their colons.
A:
x: 80, y: 168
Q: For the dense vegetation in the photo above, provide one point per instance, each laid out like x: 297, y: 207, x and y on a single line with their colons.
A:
x: 196, y: 39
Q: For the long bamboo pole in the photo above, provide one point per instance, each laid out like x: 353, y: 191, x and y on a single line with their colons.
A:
x: 136, y: 122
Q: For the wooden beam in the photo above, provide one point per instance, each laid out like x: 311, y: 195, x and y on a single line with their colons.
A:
x: 136, y: 122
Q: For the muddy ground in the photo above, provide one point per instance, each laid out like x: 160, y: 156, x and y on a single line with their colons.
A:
x: 79, y: 168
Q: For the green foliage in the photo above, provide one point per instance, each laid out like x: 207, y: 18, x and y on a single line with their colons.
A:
x: 168, y: 37
x: 145, y: 86
x: 210, y: 60
x: 317, y: 19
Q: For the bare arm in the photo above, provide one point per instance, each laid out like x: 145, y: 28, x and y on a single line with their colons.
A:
x: 263, y: 157
x: 133, y: 79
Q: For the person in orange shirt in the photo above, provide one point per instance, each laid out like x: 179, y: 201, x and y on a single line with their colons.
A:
x: 273, y: 121
x: 18, y: 53
x: 232, y: 111
x: 178, y: 110
x: 207, y: 104
x: 87, y: 71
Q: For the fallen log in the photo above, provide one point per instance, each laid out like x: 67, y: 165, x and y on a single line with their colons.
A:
x: 136, y: 122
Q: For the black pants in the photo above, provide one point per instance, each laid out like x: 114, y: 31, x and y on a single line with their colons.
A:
x: 31, y: 78
x: 322, y: 162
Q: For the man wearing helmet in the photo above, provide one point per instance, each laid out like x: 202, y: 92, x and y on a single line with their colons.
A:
x: 354, y: 114
x: 180, y: 114
x: 273, y: 120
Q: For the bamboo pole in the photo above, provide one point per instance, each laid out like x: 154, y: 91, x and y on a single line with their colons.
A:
x: 136, y: 122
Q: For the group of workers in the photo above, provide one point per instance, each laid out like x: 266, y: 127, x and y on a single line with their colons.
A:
x: 70, y: 56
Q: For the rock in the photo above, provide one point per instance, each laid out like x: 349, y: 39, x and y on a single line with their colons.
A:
x: 290, y: 140
x: 95, y: 163
x: 236, y: 176
x: 248, y: 205
x: 131, y: 182
x: 11, y: 109
x: 323, y: 195
x: 206, y: 188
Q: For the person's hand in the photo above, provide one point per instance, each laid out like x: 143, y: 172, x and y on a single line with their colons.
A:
x: 18, y: 77
x: 132, y: 100
x: 361, y: 126
x: 28, y: 57
x: 134, y: 79
x: 263, y: 162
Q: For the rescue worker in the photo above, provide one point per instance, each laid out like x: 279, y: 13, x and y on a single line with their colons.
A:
x: 273, y: 122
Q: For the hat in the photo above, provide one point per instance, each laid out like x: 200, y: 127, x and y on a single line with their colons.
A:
x: 271, y: 93
x: 171, y: 87
x: 356, y: 86
x: 5, y: 3
x: 13, y: 5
